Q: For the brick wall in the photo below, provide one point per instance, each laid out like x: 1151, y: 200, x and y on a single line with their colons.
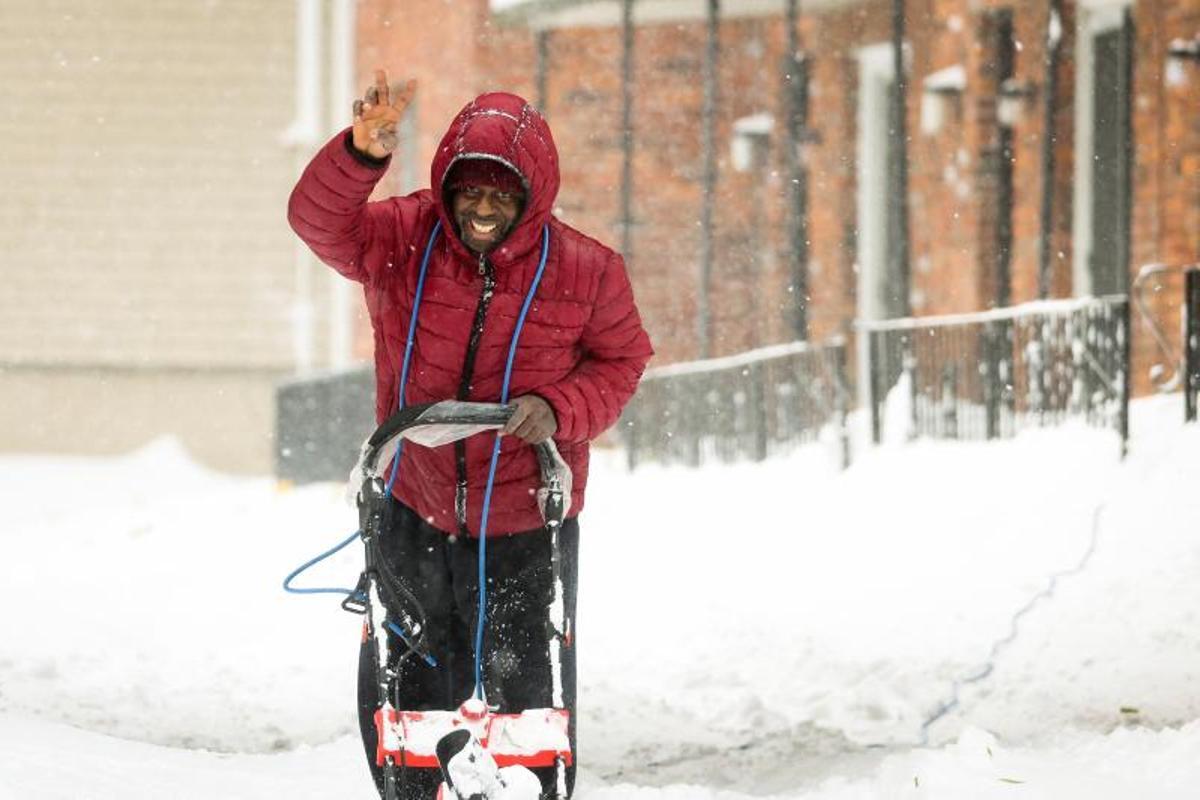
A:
x: 1166, y: 133
x: 953, y: 176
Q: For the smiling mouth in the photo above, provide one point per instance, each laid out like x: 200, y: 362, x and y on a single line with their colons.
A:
x: 483, y: 228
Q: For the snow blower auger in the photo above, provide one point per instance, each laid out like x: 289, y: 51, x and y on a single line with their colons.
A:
x: 483, y: 755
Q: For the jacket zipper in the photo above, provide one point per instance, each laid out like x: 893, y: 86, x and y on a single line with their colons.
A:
x: 464, y: 388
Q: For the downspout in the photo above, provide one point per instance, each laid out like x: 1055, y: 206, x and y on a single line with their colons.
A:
x: 542, y: 42
x: 341, y: 97
x: 1005, y: 67
x: 1128, y: 153
x: 709, y: 116
x: 303, y: 135
x: 900, y: 143
x: 627, y: 41
x: 1049, y: 139
x: 795, y: 87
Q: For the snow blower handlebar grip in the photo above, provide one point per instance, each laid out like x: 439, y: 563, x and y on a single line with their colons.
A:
x: 460, y: 420
x: 470, y: 416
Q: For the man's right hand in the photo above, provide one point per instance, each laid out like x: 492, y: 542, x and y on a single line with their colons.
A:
x: 377, y: 115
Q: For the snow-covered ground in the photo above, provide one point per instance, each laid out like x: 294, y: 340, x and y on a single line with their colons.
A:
x: 780, y: 629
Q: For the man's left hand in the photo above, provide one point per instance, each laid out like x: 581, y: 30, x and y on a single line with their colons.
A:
x: 533, y: 421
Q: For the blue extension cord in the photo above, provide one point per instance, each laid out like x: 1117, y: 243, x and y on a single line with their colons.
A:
x: 408, y: 348
x: 990, y: 664
x: 487, y: 493
x: 287, y: 587
x: 393, y: 627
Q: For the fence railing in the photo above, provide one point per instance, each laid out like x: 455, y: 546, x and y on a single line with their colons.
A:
x: 743, y: 407
x: 989, y: 374
x: 1191, y: 344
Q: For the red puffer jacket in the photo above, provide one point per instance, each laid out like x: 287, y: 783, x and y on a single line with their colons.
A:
x: 582, y: 349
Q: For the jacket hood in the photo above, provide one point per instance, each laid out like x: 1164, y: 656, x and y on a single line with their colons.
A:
x: 505, y: 128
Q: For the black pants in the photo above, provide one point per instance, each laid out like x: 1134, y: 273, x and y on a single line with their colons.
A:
x: 442, y: 572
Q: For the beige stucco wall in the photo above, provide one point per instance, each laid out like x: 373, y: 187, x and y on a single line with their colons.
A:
x: 224, y: 418
x: 148, y: 279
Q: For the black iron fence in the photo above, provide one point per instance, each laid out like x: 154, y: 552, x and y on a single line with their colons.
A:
x: 1191, y: 344
x: 320, y: 424
x: 743, y: 407
x: 989, y: 374
x: 969, y: 376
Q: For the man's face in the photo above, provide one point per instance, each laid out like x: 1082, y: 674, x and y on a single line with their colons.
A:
x: 485, y: 215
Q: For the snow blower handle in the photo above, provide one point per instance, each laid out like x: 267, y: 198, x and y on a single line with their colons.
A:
x: 435, y: 424
x: 431, y: 424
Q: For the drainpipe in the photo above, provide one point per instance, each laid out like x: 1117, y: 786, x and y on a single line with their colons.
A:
x: 341, y: 97
x: 795, y: 87
x: 709, y: 116
x: 303, y: 135
x: 1049, y: 138
x: 900, y: 143
x: 1005, y: 67
x: 627, y: 31
x: 1125, y: 185
x: 542, y: 41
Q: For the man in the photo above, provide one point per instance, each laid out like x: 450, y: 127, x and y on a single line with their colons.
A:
x: 483, y: 230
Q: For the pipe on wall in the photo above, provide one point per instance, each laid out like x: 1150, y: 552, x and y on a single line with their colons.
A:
x: 795, y: 86
x: 709, y: 116
x: 1054, y: 31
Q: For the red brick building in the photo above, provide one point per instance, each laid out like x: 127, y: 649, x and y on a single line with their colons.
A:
x: 1123, y: 191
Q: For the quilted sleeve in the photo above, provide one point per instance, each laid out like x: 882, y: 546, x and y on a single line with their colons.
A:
x: 328, y: 209
x: 616, y: 349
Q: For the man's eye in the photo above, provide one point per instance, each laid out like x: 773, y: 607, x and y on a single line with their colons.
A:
x: 504, y: 197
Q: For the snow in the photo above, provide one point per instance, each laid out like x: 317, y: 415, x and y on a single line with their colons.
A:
x: 949, y: 79
x: 758, y: 630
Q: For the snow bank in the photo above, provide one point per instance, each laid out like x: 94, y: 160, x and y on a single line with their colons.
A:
x: 780, y: 629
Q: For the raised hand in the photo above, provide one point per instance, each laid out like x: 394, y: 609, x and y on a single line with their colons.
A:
x: 377, y: 115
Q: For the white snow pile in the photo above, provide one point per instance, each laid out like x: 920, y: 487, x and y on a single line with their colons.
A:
x: 772, y: 630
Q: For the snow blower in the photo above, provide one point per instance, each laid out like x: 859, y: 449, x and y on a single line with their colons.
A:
x: 483, y: 755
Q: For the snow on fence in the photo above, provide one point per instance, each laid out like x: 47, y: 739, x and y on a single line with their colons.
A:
x: 746, y: 406
x: 1191, y: 344
x: 989, y: 374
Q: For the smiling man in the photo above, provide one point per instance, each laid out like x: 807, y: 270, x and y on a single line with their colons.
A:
x: 481, y: 235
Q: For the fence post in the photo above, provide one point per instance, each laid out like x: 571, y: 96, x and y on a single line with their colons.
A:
x: 694, y: 414
x: 758, y: 411
x: 1090, y: 326
x: 991, y: 380
x: 841, y: 400
x: 1191, y: 344
x: 660, y: 442
x: 1123, y: 412
x: 950, y: 401
x: 909, y: 359
x: 873, y: 387
x: 1036, y: 376
x: 630, y: 419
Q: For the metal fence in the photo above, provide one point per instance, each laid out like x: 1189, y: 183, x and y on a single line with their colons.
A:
x: 1191, y: 344
x: 320, y: 424
x: 990, y: 374
x: 743, y: 407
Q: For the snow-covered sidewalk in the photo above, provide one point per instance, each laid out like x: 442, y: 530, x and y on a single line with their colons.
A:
x: 779, y: 629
